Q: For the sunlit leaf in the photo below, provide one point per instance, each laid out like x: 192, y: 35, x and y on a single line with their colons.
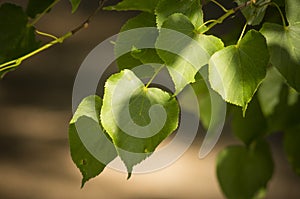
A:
x: 236, y: 71
x: 243, y: 172
x: 91, y: 149
x: 183, y: 50
x: 136, y: 118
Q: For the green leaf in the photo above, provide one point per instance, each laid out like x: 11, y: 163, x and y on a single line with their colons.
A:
x: 254, y: 13
x: 142, y: 5
x: 243, y: 172
x: 183, y: 50
x: 130, y: 42
x: 90, y: 147
x: 236, y: 71
x: 269, y: 91
x: 75, y: 4
x: 291, y: 146
x: 192, y: 9
x: 284, y: 44
x: 136, y: 118
x: 35, y: 7
x: 252, y: 126
x: 16, y: 37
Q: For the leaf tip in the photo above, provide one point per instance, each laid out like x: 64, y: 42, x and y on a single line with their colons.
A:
x: 129, y: 175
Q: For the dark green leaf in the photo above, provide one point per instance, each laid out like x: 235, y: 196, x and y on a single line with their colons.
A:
x: 35, y: 7
x: 284, y: 44
x: 183, y: 50
x: 254, y: 13
x: 142, y: 5
x: 91, y: 149
x: 136, y: 118
x: 236, y: 71
x: 16, y: 37
x: 75, y: 4
x: 243, y: 172
x: 252, y: 126
x: 192, y: 9
x: 292, y: 147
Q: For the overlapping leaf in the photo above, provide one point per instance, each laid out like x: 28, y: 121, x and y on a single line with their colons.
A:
x: 192, y: 9
x: 128, y: 55
x: 136, y: 118
x: 142, y: 5
x: 91, y: 149
x: 236, y: 71
x: 183, y: 50
x: 284, y: 44
x: 242, y: 172
x: 255, y: 12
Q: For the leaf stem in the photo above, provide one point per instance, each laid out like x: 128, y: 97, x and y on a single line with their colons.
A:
x: 45, y: 34
x: 281, y: 14
x: 227, y: 14
x: 242, y: 33
x: 220, y: 5
x: 39, y: 16
x: 155, y: 74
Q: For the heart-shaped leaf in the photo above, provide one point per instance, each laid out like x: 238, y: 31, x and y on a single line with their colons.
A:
x: 236, y: 71
x: 35, y: 7
x: 284, y: 44
x: 242, y: 172
x: 91, y: 149
x: 136, y: 118
x: 75, y: 4
x: 183, y: 50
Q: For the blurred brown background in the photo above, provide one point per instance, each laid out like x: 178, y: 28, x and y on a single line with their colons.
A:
x: 35, y: 108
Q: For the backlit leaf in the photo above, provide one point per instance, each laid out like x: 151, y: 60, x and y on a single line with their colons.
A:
x: 91, y: 149
x: 236, y: 71
x: 136, y: 118
x: 184, y: 51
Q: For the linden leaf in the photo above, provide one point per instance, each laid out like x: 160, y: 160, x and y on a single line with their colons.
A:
x: 236, y: 71
x: 136, y: 118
